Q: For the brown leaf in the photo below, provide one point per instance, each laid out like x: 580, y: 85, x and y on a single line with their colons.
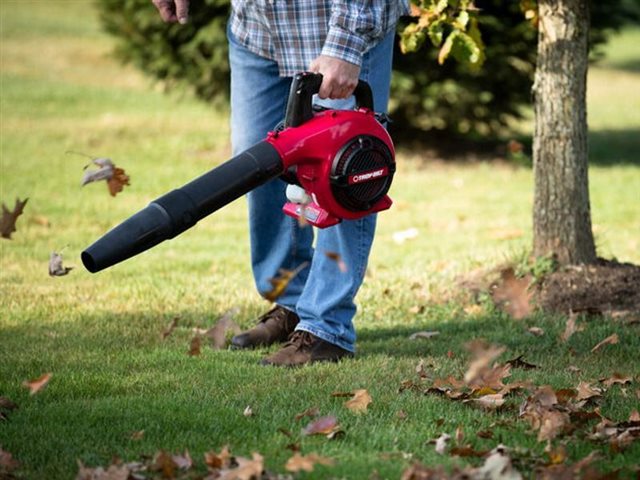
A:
x: 512, y: 294
x: 38, y: 384
x: 115, y: 471
x: 616, y: 378
x: 553, y: 423
x: 7, y: 404
x: 586, y: 391
x: 634, y: 416
x: 479, y: 366
x: 7, y: 463
x: 170, y: 328
x: 360, y: 401
x: 117, y: 181
x: 519, y: 363
x: 488, y: 402
x: 306, y: 463
x: 218, y: 460
x: 610, y: 340
x: 571, y: 327
x: 196, y: 344
x: 322, y: 426
x: 246, y: 469
x: 163, y: 462
x: 9, y: 218
x: 338, y: 259
x: 55, y: 265
x: 466, y: 451
x: 137, y: 435
x: 281, y: 282
x: 309, y: 412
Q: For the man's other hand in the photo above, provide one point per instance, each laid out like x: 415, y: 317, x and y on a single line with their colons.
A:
x: 173, y: 10
x: 339, y: 78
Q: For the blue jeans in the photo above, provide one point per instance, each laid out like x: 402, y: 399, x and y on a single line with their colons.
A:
x: 321, y: 294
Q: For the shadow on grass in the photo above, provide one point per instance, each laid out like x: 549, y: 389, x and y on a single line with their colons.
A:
x: 614, y: 147
x: 630, y: 65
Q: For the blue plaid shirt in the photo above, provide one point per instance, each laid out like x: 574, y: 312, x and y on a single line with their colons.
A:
x: 294, y: 32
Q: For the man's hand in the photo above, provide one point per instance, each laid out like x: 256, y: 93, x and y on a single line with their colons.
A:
x: 339, y: 78
x: 173, y: 10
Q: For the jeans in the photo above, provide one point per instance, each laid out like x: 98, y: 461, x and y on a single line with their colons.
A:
x: 321, y: 294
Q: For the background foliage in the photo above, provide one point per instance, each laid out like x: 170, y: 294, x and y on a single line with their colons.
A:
x: 456, y: 97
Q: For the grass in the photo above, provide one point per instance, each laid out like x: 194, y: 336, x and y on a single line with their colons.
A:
x: 100, y: 334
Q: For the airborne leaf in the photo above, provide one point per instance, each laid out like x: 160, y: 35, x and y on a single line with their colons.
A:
x: 281, y: 282
x: 9, y: 218
x: 38, y: 384
x: 117, y: 181
x: 115, y: 177
x: 610, y: 340
x: 512, y: 294
x: 55, y: 265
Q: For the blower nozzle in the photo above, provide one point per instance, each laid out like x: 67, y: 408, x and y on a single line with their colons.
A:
x: 182, y: 208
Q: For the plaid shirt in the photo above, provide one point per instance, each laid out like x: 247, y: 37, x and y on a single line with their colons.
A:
x: 294, y: 32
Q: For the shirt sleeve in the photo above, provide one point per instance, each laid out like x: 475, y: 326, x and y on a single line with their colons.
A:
x: 354, y: 27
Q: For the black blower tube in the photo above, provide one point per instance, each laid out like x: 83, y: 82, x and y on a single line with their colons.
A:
x: 181, y: 209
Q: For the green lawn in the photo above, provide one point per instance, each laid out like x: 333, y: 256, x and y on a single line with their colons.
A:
x: 100, y: 335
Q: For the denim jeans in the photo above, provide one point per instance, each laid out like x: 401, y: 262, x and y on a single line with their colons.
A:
x: 321, y: 294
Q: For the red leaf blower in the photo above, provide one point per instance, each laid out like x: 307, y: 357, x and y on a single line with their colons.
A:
x: 342, y: 162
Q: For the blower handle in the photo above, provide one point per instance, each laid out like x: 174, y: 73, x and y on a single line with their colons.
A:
x: 304, y: 86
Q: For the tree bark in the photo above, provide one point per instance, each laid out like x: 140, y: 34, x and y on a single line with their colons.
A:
x: 561, y: 214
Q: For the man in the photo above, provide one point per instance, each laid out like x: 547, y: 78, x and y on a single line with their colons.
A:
x: 269, y: 42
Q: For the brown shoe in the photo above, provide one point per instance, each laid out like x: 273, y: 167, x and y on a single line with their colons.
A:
x: 303, y: 348
x: 275, y: 326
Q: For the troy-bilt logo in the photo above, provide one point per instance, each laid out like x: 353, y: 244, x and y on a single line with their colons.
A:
x: 366, y: 176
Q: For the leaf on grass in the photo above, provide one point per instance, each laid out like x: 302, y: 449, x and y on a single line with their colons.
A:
x: 586, y: 391
x: 195, y: 347
x: 298, y: 462
x: 466, y: 451
x: 360, y: 401
x: 488, y: 402
x: 281, y: 282
x: 424, y: 334
x: 571, y: 327
x: 610, y: 340
x: 338, y: 259
x: 616, y: 378
x: 115, y: 471
x: 170, y: 328
x: 218, y: 460
x: 309, y: 412
x: 38, y: 384
x: 537, y: 331
x: 55, y: 265
x: 442, y: 443
x: 137, y: 435
x: 497, y: 466
x: 9, y: 218
x: 327, y: 426
x: 7, y: 463
x: 7, y: 404
x: 512, y: 294
x: 248, y: 411
x: 247, y: 469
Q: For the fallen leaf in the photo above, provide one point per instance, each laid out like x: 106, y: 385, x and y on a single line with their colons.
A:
x: 38, y: 384
x: 248, y: 411
x: 488, y: 402
x: 519, y: 363
x: 184, y: 461
x: 246, y: 469
x: 113, y: 472
x: 537, y: 331
x: 571, y: 327
x: 360, y: 401
x: 425, y: 334
x: 634, y: 416
x: 309, y: 412
x: 586, y: 391
x: 7, y: 404
x: 218, y: 460
x: 137, y: 435
x: 338, y: 259
x: 9, y: 218
x: 616, y: 378
x: 497, y: 466
x: 7, y: 463
x: 466, y: 451
x: 610, y: 340
x: 306, y: 463
x: 512, y: 294
x: 442, y: 443
x: 170, y: 328
x: 55, y: 265
x: 196, y: 344
x: 322, y: 426
x: 163, y: 462
x: 281, y: 282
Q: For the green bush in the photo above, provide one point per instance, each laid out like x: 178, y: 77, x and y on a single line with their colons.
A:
x: 453, y: 97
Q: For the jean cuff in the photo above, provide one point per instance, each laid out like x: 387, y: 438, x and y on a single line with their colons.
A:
x: 327, y: 337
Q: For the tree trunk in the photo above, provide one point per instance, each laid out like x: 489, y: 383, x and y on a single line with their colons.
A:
x: 561, y: 214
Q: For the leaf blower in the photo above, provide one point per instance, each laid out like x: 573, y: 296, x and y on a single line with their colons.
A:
x: 339, y: 163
